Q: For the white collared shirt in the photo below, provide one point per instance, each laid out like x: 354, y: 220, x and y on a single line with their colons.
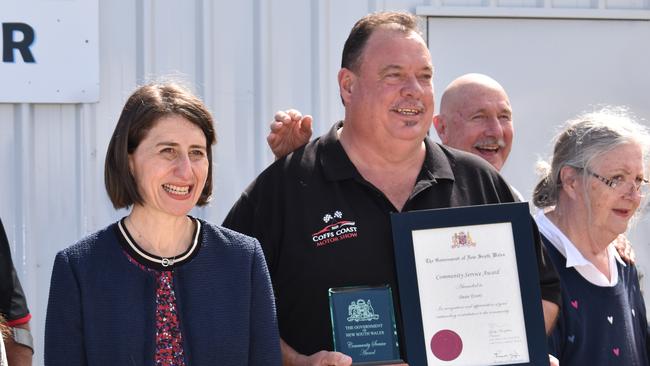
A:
x: 573, y: 256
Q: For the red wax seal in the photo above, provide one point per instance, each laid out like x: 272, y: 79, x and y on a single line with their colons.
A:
x: 446, y: 345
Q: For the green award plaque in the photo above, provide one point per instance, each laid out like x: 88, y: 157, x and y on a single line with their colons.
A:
x: 363, y: 324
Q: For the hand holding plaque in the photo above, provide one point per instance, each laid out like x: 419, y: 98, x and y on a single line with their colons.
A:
x: 363, y: 324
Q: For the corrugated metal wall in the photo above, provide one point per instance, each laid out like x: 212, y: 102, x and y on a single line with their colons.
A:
x: 246, y: 58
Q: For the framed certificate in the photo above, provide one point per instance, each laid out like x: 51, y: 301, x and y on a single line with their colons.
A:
x: 469, y: 286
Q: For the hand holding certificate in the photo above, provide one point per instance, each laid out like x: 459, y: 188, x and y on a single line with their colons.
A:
x: 468, y: 285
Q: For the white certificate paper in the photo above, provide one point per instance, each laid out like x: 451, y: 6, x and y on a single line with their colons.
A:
x: 469, y: 295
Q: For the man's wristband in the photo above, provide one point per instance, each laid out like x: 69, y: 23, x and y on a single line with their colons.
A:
x: 23, y: 337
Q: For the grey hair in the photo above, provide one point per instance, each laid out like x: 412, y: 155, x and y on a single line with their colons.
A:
x: 584, y: 139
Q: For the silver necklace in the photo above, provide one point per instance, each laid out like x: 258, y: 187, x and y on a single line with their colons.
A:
x: 163, y: 261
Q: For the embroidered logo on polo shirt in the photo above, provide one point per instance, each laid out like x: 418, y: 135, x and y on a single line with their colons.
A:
x: 335, y: 230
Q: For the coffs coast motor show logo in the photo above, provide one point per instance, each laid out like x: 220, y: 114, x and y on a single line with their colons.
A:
x: 336, y: 229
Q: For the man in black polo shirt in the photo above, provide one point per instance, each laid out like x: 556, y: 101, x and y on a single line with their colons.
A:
x: 13, y: 307
x: 322, y: 212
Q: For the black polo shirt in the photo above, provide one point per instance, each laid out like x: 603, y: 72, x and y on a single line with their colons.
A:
x: 13, y: 305
x: 322, y: 225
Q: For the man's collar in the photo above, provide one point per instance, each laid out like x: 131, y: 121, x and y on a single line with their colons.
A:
x: 333, y: 158
x: 337, y: 165
x: 437, y: 161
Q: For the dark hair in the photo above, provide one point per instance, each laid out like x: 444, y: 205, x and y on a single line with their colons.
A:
x: 364, y: 27
x: 142, y: 110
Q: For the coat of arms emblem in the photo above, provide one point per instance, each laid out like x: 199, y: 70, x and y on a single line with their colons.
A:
x: 361, y: 310
x: 462, y: 239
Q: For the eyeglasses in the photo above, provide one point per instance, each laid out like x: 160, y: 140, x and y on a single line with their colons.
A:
x: 622, y: 186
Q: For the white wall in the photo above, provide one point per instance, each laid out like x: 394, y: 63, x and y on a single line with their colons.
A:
x: 246, y: 58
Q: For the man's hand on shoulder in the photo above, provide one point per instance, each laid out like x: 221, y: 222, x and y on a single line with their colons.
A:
x: 289, y: 130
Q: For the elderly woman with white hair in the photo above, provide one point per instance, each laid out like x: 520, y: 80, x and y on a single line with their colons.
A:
x: 592, y: 189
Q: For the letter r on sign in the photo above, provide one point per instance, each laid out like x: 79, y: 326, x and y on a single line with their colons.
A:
x: 9, y: 44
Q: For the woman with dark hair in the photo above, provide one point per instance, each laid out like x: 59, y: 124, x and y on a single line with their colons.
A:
x: 160, y: 287
x: 590, y: 191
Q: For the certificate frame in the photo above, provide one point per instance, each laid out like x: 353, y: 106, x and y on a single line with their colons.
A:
x: 517, y: 215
